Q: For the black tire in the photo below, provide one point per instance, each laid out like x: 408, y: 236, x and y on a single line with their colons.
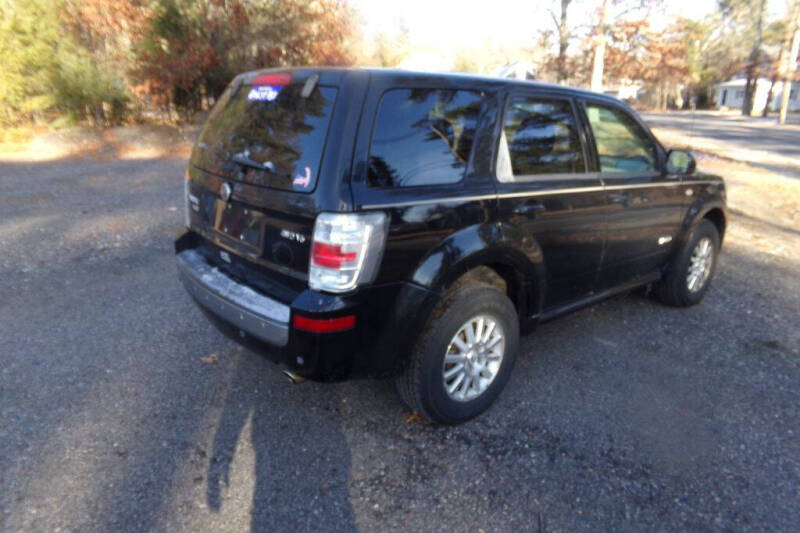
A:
x: 673, y: 289
x: 421, y: 386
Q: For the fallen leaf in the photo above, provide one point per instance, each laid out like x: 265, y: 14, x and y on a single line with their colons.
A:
x: 414, y: 417
x: 210, y: 359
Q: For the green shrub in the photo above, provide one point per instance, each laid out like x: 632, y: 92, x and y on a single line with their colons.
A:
x: 29, y: 31
x: 46, y: 72
x: 84, y: 89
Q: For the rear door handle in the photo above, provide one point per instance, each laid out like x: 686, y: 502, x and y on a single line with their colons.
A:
x: 528, y: 209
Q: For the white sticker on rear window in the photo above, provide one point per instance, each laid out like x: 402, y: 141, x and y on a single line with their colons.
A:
x: 303, y: 181
x: 264, y: 93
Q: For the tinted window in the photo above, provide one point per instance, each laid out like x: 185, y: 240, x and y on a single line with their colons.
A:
x: 622, y: 145
x: 422, y: 137
x: 539, y: 137
x: 272, y: 126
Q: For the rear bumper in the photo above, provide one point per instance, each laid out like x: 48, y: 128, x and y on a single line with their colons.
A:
x: 240, y: 306
x: 388, y: 319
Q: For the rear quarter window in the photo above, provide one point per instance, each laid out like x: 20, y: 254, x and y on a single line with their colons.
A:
x: 422, y: 137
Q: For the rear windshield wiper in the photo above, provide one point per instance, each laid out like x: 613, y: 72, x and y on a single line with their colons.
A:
x: 245, y: 161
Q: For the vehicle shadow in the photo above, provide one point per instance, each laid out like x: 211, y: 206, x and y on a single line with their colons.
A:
x: 308, y: 493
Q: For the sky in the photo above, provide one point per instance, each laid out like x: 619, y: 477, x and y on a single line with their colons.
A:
x: 439, y: 30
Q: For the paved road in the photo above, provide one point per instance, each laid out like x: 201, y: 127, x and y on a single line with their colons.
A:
x: 738, y: 131
x: 122, y: 410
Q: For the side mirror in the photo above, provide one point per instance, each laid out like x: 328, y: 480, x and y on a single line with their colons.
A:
x: 680, y: 162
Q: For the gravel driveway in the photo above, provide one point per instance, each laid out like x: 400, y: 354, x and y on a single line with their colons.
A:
x: 121, y: 409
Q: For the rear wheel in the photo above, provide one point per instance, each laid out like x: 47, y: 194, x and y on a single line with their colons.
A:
x: 689, y: 276
x: 464, y: 357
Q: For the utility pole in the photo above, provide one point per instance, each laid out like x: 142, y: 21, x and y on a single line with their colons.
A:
x: 791, y: 62
x: 787, y: 77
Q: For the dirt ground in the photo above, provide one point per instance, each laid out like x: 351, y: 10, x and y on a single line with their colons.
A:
x: 123, y: 142
x: 765, y: 206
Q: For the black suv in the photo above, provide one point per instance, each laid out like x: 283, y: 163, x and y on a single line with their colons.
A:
x: 351, y: 222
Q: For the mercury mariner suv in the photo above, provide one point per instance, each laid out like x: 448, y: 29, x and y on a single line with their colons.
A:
x: 366, y: 222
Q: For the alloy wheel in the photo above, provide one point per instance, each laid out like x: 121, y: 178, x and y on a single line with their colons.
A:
x: 700, y: 265
x: 473, y: 358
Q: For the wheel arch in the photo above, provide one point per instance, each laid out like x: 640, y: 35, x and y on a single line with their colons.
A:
x: 704, y: 209
x: 717, y: 217
x: 489, y: 252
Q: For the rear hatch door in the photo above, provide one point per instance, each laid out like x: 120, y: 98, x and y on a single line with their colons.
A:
x: 273, y: 154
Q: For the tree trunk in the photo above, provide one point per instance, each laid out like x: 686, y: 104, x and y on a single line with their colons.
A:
x: 747, y: 101
x: 678, y: 96
x: 752, y: 74
x: 769, y: 96
x: 775, y: 75
x: 600, y: 47
x: 788, y: 75
x: 563, y: 42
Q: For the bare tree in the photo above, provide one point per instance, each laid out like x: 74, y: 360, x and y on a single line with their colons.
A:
x: 791, y: 60
x: 563, y: 40
x: 775, y: 75
x: 606, y: 20
x: 600, y: 46
x: 755, y: 54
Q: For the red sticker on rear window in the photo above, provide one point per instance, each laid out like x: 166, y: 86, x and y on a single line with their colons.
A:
x: 272, y: 79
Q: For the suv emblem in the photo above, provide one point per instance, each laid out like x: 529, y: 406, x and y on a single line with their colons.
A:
x: 293, y: 236
x: 225, y: 191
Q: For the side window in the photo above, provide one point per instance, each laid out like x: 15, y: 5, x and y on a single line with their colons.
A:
x: 539, y: 136
x: 622, y: 145
x: 422, y: 137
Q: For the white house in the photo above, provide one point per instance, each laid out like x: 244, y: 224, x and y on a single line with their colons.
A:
x: 730, y: 94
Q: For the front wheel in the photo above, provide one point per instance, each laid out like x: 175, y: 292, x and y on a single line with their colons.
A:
x: 688, y: 277
x: 464, y: 356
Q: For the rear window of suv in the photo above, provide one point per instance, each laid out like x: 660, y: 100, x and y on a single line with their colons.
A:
x: 273, y: 129
x: 423, y: 137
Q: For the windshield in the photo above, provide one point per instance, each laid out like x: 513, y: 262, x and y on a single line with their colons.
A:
x: 268, y: 135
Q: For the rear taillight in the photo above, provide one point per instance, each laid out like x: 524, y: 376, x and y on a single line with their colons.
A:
x: 331, y: 256
x: 346, y: 250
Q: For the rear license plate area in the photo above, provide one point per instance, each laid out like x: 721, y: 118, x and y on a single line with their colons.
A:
x: 240, y: 223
